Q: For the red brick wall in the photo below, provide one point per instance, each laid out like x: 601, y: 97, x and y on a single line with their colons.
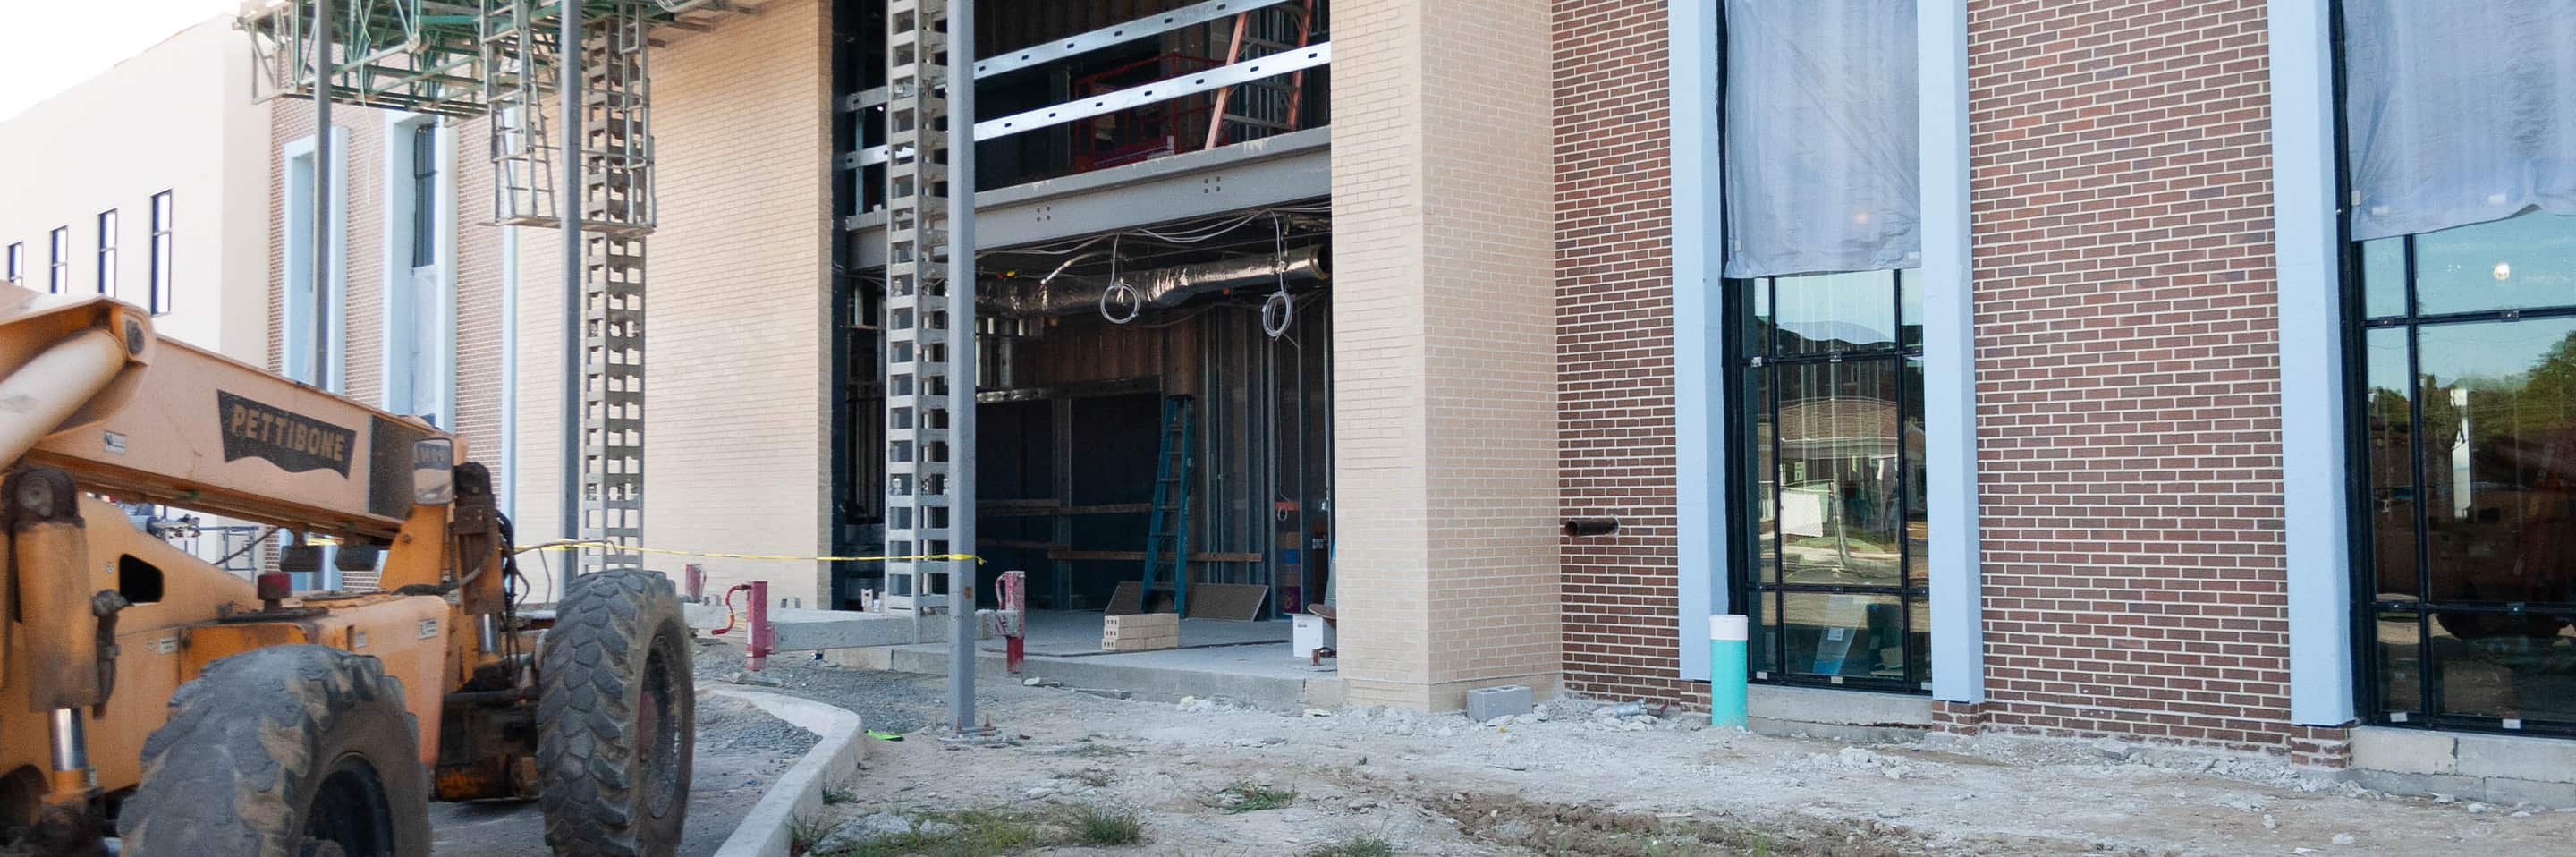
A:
x: 1615, y: 347
x: 2129, y: 457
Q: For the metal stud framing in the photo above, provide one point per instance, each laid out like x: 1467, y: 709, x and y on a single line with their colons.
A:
x: 616, y: 212
x: 918, y: 515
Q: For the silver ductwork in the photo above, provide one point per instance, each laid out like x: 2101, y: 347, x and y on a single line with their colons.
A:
x: 1160, y: 288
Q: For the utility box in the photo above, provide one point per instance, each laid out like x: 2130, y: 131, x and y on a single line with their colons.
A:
x: 1307, y: 633
x: 1510, y: 700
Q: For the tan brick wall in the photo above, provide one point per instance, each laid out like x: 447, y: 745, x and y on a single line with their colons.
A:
x: 1445, y: 364
x: 737, y: 306
x: 478, y: 274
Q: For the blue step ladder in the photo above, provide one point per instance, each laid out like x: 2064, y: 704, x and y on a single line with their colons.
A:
x: 1167, y: 531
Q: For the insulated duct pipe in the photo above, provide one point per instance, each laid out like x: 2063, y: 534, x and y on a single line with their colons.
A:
x: 1160, y: 288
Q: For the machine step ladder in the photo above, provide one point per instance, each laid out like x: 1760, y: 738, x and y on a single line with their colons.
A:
x: 1167, y: 530
x: 1269, y: 106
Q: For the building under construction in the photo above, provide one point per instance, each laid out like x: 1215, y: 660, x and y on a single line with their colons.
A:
x: 1155, y: 327
x: 2111, y: 369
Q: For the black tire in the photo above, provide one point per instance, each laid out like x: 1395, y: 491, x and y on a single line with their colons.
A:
x: 285, y: 751
x: 616, y: 718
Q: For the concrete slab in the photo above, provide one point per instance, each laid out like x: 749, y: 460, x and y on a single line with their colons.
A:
x: 2404, y: 751
x: 2499, y: 769
x: 1824, y: 707
x: 2517, y: 757
x: 809, y: 630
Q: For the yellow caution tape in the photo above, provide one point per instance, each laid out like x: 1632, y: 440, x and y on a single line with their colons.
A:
x: 574, y: 545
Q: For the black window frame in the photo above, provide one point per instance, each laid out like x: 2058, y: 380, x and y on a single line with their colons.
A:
x: 18, y: 263
x: 163, y: 213
x: 1744, y: 486
x: 2356, y: 324
x: 106, y: 256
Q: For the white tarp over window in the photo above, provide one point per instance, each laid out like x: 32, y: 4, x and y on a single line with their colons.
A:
x: 2458, y: 111
x: 1822, y: 166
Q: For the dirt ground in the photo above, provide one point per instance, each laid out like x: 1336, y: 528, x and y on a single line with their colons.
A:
x: 1210, y: 778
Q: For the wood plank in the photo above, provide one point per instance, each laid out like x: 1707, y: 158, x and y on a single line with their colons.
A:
x: 1226, y: 600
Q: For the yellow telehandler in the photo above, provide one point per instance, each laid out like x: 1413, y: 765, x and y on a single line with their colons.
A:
x: 152, y: 703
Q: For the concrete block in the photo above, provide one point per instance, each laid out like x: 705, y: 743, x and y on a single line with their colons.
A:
x: 1140, y: 622
x: 2405, y: 751
x: 2518, y: 757
x: 1133, y: 643
x: 1140, y: 632
x: 1510, y: 700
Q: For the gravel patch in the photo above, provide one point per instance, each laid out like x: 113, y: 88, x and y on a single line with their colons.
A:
x: 885, y: 701
x: 728, y: 726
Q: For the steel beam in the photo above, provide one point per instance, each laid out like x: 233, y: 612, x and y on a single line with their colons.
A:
x: 1270, y: 171
x: 961, y: 371
x: 1152, y: 25
x: 1247, y: 71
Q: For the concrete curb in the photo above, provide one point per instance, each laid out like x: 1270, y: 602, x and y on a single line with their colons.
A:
x: 798, y: 792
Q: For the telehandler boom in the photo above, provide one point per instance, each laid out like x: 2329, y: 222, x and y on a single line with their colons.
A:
x: 155, y: 704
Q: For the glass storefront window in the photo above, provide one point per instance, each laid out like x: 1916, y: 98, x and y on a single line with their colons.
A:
x: 1829, y: 444
x: 2466, y: 417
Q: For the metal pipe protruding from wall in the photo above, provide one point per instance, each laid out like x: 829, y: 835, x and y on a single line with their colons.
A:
x: 1160, y: 288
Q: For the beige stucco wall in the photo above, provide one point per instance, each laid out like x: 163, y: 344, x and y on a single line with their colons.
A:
x: 737, y: 392
x: 1444, y: 350
x: 177, y: 117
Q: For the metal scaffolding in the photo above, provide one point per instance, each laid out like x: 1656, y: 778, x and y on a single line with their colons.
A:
x: 502, y: 59
x: 919, y: 514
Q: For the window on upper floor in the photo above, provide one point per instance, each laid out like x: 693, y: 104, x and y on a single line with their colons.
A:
x: 18, y: 262
x: 107, y: 252
x: 161, y: 258
x: 58, y: 267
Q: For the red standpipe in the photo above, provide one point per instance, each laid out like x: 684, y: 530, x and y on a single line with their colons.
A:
x: 1015, y: 612
x: 764, y: 639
